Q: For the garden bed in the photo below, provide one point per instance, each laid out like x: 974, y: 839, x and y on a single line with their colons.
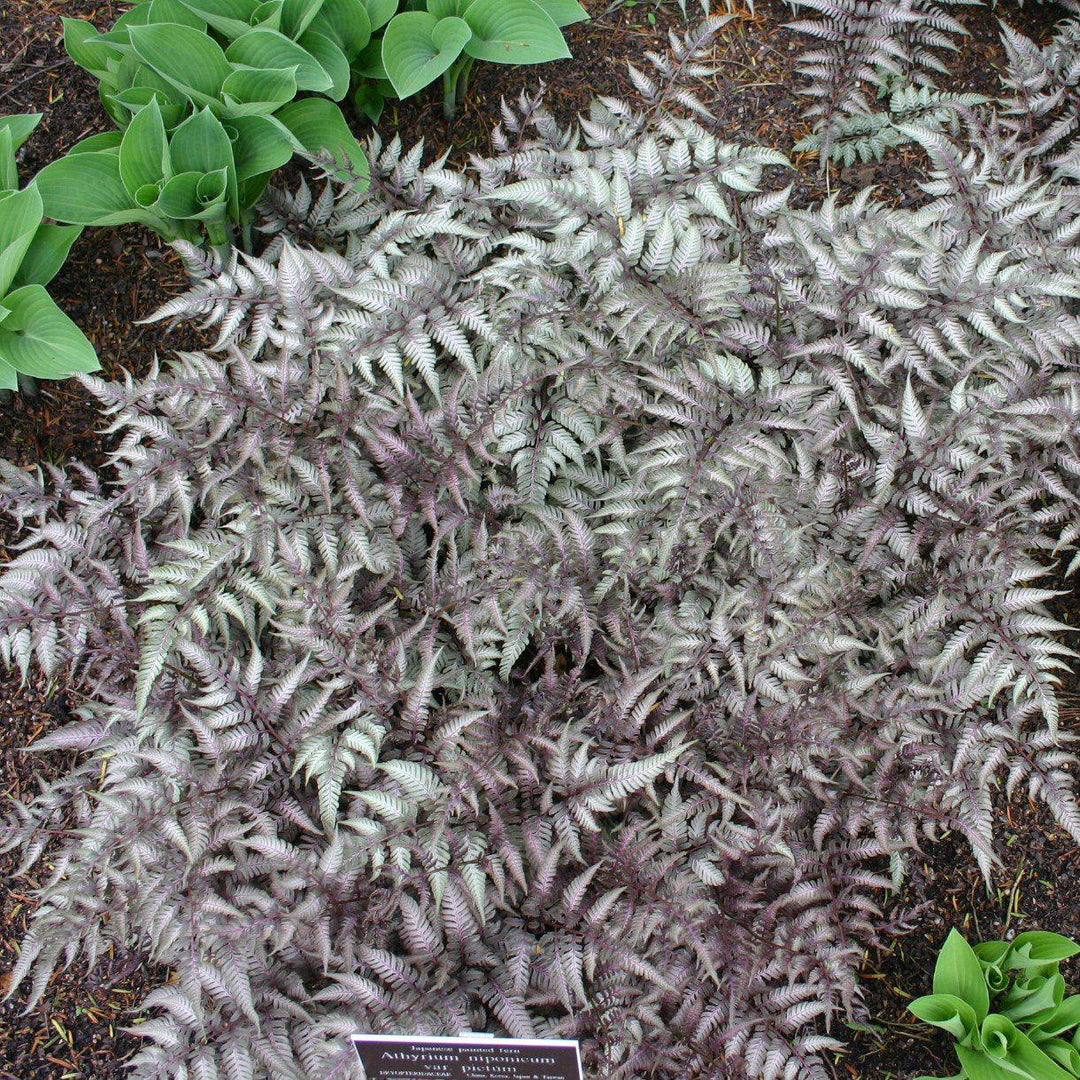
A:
x: 115, y: 278
x: 112, y: 281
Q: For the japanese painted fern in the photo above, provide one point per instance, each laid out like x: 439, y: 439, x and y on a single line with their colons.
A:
x: 554, y: 602
x: 870, y: 50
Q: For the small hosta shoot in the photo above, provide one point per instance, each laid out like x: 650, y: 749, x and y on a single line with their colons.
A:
x: 1007, y: 1008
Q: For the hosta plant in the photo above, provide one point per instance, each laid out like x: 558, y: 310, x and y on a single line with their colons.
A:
x: 240, y: 65
x: 217, y: 50
x: 442, y: 39
x: 330, y: 32
x: 206, y: 174
x: 37, y: 340
x: 1006, y: 1005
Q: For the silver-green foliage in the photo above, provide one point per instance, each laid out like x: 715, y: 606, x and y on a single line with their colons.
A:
x: 865, y: 51
x: 868, y: 136
x: 551, y: 598
x: 1042, y: 100
x: 873, y: 52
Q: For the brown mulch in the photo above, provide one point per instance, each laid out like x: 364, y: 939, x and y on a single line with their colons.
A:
x: 77, y: 1030
x: 116, y: 277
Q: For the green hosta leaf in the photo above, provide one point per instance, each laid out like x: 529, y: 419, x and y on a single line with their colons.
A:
x: 148, y: 195
x: 107, y: 142
x: 144, y: 151
x: 252, y: 91
x: 979, y: 1066
x: 86, y: 189
x: 998, y: 1036
x: 1038, y: 947
x: 139, y: 15
x: 185, y: 57
x: 1061, y: 1053
x: 47, y: 253
x: 297, y: 15
x: 201, y: 144
x: 250, y: 191
x: 513, y: 32
x: 268, y: 14
x: 946, y: 1011
x: 346, y: 23
x: 9, y: 171
x: 369, y: 99
x: 172, y: 11
x: 9, y: 377
x: 173, y: 112
x: 447, y: 9
x: 14, y: 131
x: 1032, y: 999
x: 230, y: 18
x: 1010, y: 1050
x: 332, y: 60
x: 144, y: 78
x: 83, y: 44
x: 379, y: 12
x: 417, y: 48
x: 564, y: 12
x: 958, y: 972
x: 369, y: 62
x: 119, y: 114
x: 77, y: 33
x: 1064, y: 1017
x: 991, y: 954
x: 117, y: 43
x: 260, y: 147
x: 263, y: 48
x: 255, y: 14
x: 20, y: 127
x: 38, y: 339
x: 195, y: 196
x: 20, y: 215
x: 317, y: 125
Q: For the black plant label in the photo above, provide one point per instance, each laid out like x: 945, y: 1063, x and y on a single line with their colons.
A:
x: 470, y: 1057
